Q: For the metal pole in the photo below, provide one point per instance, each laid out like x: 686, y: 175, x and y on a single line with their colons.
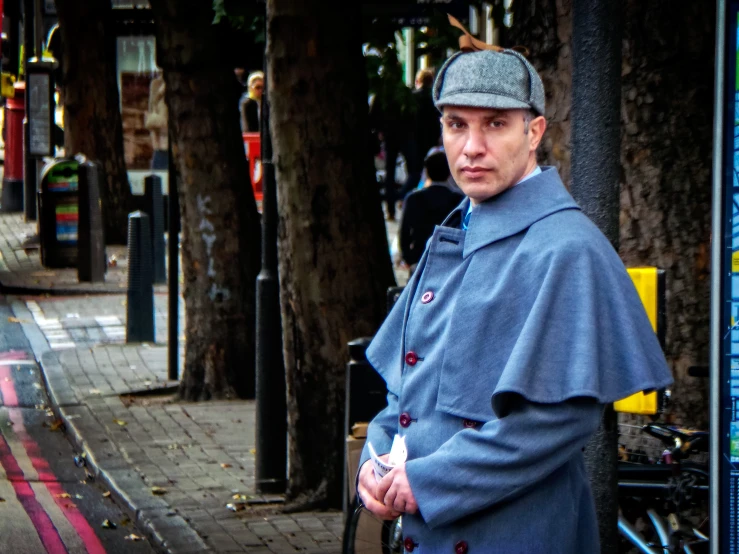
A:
x: 271, y: 415
x: 173, y: 251
x: 596, y: 142
x: 716, y: 278
x: 29, y: 163
x: 140, y: 291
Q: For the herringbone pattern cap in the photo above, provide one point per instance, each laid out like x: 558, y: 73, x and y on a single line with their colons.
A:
x: 488, y: 79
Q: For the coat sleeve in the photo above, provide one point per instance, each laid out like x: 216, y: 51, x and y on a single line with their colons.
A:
x: 475, y: 470
x: 382, y: 429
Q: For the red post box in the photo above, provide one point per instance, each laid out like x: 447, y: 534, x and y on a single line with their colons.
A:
x: 253, y: 149
x: 15, y: 110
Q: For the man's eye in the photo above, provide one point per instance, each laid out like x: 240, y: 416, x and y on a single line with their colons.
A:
x: 456, y: 125
x: 496, y: 124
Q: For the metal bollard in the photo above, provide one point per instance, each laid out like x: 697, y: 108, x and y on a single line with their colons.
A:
x: 90, y: 241
x: 154, y: 206
x: 140, y: 294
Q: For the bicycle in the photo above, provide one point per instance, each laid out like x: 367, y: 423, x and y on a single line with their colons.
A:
x: 364, y: 533
x: 655, y: 498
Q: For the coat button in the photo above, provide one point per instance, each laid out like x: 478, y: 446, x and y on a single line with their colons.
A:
x: 469, y: 423
x: 405, y: 419
x: 411, y: 358
x: 427, y: 297
x: 460, y: 548
x: 409, y: 545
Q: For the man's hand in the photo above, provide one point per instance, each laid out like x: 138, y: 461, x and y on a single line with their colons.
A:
x: 367, y: 489
x: 395, y: 491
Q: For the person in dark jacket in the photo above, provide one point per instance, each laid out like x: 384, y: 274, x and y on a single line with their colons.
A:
x: 426, y: 208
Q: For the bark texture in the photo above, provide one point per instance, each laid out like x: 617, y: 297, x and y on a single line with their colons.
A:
x: 334, y: 263
x: 220, y: 222
x: 92, y: 117
x: 666, y: 149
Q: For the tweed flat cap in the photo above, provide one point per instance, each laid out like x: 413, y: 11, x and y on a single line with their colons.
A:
x: 489, y: 79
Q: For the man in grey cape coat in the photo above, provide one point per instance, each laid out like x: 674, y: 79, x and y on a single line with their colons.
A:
x: 519, y: 326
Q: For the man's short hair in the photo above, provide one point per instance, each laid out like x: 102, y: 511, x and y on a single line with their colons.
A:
x: 437, y: 166
x: 502, y: 80
x: 254, y: 76
x: 425, y: 77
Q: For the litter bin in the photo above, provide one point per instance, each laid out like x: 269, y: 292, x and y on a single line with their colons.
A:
x: 15, y: 109
x: 59, y: 213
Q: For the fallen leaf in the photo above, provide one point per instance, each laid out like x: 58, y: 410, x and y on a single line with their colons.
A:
x: 240, y: 497
x: 226, y: 466
x: 120, y: 422
x: 2, y: 499
x: 125, y: 520
x: 10, y: 423
x: 56, y: 425
x: 63, y: 495
x: 158, y: 491
x: 252, y: 451
x: 94, y: 391
x: 236, y: 506
x: 107, y: 524
x: 106, y: 494
x: 132, y: 537
x: 70, y: 505
x: 173, y: 447
x: 37, y: 386
x: 78, y: 496
x: 14, y: 320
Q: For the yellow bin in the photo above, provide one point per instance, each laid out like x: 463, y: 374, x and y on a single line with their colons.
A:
x: 650, y: 284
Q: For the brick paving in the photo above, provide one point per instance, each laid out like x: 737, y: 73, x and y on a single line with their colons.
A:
x: 201, y: 454
x: 21, y: 270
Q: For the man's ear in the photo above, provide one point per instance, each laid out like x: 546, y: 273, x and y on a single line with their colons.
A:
x: 536, y: 131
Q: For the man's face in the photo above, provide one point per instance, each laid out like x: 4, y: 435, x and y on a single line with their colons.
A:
x: 257, y: 87
x: 489, y: 150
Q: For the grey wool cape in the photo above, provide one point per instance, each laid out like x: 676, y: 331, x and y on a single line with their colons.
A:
x: 499, y: 357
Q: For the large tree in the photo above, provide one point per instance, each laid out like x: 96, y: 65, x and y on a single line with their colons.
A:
x: 220, y: 222
x: 92, y: 117
x: 333, y: 258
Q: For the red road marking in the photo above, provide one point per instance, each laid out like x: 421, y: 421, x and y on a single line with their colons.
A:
x: 41, y: 465
x: 13, y: 355
x: 44, y: 527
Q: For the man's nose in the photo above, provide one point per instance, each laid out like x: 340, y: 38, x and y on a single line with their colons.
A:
x: 474, y: 146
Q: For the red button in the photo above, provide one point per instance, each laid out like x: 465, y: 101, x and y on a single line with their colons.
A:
x: 405, y: 419
x: 409, y: 545
x: 411, y: 358
x: 469, y: 423
x: 460, y: 548
x: 427, y: 297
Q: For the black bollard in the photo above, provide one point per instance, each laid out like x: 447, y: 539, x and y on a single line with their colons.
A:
x: 154, y: 207
x: 90, y: 241
x: 366, y: 395
x: 140, y: 294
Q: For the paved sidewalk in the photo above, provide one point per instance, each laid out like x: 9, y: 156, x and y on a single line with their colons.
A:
x: 120, y: 409
x: 21, y: 271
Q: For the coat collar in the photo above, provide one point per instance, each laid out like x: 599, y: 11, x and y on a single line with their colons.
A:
x: 513, y: 210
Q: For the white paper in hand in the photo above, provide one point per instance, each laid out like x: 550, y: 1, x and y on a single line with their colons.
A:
x: 398, y: 455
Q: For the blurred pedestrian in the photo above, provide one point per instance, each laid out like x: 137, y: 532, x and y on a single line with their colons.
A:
x: 426, y: 208
x: 250, y: 106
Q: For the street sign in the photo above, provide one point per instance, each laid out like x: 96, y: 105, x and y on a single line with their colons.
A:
x: 724, y: 362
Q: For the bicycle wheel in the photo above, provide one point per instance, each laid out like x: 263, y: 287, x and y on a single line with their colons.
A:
x: 365, y: 533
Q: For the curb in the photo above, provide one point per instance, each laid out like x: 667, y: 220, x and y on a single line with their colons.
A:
x: 15, y: 290
x: 140, y: 506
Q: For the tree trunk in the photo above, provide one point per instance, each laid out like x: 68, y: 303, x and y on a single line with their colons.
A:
x: 92, y: 117
x: 334, y: 263
x: 667, y: 117
x: 545, y: 28
x: 220, y: 222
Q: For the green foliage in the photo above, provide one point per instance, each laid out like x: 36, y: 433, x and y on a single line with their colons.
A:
x: 385, y: 77
x: 242, y: 15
